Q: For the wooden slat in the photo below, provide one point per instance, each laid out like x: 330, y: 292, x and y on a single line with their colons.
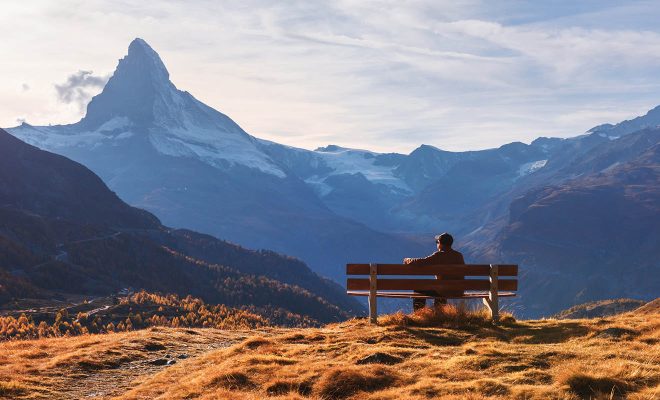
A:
x: 413, y: 295
x: 402, y: 269
x: 429, y: 284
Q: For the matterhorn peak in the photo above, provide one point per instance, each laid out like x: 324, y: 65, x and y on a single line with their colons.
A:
x: 141, y: 55
x: 140, y: 106
x: 139, y: 81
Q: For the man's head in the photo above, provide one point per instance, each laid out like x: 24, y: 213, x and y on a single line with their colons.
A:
x: 444, y: 241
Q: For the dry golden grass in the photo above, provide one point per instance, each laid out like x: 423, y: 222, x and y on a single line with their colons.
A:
x: 451, y: 354
x: 447, y: 315
x: 98, y: 365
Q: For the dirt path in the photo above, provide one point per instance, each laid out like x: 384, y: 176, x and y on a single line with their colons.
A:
x: 107, y: 383
x: 105, y: 366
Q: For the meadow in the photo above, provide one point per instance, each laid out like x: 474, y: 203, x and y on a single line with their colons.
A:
x: 453, y: 353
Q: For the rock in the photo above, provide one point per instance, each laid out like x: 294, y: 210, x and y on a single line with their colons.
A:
x: 380, y: 358
x: 159, y: 361
x: 171, y: 362
x: 182, y: 356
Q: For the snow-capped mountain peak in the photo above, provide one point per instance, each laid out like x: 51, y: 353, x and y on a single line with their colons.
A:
x: 136, y: 89
x: 140, y: 101
x: 140, y: 50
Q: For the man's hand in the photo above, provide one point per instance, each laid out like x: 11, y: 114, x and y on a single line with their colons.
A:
x: 407, y: 260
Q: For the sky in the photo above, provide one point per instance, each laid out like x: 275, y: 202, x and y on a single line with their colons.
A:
x: 380, y: 75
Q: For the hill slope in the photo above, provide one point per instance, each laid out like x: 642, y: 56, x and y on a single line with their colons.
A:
x: 599, y: 309
x: 606, y: 358
x: 63, y: 231
x: 194, y: 167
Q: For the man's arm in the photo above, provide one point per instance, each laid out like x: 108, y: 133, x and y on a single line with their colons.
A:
x: 420, y: 262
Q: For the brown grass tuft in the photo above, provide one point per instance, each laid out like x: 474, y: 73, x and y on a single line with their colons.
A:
x: 279, y: 387
x: 234, y: 380
x: 588, y: 386
x: 444, y: 315
x: 491, y: 387
x: 13, y: 388
x: 343, y: 382
x: 255, y: 342
x: 269, y: 359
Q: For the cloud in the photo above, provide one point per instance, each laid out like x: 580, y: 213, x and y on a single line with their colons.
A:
x: 384, y: 74
x: 80, y: 87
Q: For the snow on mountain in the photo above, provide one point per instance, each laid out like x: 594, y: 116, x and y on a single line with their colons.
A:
x: 314, y: 167
x: 62, y: 136
x: 140, y: 103
x: 531, y: 167
x: 352, y: 161
x: 140, y: 99
x: 609, y: 137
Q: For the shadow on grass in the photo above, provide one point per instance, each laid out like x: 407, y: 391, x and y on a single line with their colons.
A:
x: 436, y: 337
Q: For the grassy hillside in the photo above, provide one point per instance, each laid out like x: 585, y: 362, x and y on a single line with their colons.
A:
x: 601, y: 308
x: 460, y: 356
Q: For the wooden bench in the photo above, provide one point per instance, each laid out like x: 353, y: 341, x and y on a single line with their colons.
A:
x: 481, y: 281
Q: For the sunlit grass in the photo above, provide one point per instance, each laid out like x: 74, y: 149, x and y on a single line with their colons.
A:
x: 447, y: 353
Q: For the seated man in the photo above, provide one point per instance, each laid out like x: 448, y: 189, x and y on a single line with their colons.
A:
x: 444, y: 256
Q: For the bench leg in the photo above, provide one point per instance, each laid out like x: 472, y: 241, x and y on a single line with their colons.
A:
x: 492, y: 302
x: 493, y: 309
x: 373, y: 312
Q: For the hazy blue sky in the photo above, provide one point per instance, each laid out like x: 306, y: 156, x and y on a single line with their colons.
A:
x: 383, y: 75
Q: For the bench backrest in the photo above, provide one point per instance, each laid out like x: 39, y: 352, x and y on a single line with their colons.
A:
x: 471, y: 272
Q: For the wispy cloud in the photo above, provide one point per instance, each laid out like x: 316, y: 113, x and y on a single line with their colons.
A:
x: 80, y: 87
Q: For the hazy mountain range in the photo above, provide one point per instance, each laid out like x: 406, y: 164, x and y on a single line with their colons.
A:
x: 62, y: 231
x: 577, y: 213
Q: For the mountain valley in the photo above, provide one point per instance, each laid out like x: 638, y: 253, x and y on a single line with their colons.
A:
x: 162, y: 150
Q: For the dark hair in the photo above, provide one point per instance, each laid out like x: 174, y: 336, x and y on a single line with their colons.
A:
x: 445, y: 239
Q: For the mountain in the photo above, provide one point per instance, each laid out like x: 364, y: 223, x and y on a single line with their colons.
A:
x: 650, y: 120
x: 592, y: 237
x: 51, y: 185
x: 62, y: 231
x: 162, y: 150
